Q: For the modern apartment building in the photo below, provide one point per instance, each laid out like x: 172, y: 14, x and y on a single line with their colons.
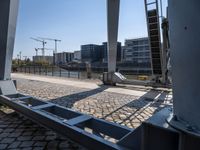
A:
x: 77, y: 56
x: 137, y: 52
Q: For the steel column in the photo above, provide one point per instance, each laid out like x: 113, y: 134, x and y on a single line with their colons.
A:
x: 113, y: 23
x: 8, y: 19
x: 185, y: 52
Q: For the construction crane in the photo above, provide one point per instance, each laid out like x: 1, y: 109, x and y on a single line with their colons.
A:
x: 36, y: 50
x: 174, y: 127
x: 55, y: 40
x: 43, y: 44
x: 26, y: 57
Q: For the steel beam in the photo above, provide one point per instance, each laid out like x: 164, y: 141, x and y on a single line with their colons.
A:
x: 185, y: 51
x: 113, y: 23
x: 87, y: 130
x: 8, y: 19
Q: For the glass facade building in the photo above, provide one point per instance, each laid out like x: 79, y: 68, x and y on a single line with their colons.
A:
x: 91, y: 53
x: 105, y: 52
x: 137, y: 52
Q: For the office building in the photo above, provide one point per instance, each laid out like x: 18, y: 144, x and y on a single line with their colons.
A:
x: 91, y: 53
x: 105, y: 52
x: 63, y: 58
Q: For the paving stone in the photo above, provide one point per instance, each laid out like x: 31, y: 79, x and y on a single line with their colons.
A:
x: 27, y: 133
x: 18, y: 129
x: 3, y: 146
x: 14, y: 134
x: 38, y: 148
x: 7, y: 140
x: 40, y: 144
x: 27, y: 148
x: 49, y: 138
x: 3, y: 135
x: 3, y: 126
x: 26, y: 144
x: 8, y: 130
x: 24, y: 138
x: 64, y: 145
x: 38, y: 138
x: 52, y: 145
x: 14, y: 145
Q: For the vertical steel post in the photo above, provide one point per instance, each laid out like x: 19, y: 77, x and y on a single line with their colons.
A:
x: 79, y: 72
x: 68, y: 73
x: 8, y: 20
x: 34, y: 70
x: 165, y: 47
x: 46, y: 71
x: 113, y: 7
x: 60, y: 72
x: 185, y: 52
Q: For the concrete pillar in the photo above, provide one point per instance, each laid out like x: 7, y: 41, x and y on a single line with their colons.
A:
x: 184, y: 24
x: 8, y: 19
x: 113, y: 23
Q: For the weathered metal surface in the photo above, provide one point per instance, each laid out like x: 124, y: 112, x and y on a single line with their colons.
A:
x: 86, y: 130
x: 155, y: 129
x: 7, y: 87
x: 8, y: 20
x: 154, y: 134
x: 113, y: 23
x: 184, y: 28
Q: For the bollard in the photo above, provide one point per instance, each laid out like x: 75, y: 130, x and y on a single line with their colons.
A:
x: 89, y: 71
x: 60, y: 72
x: 34, y: 70
x: 39, y: 70
x: 68, y: 74
x: 46, y: 71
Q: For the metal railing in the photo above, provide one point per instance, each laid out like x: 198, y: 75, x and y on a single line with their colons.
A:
x: 57, y: 72
x: 79, y: 72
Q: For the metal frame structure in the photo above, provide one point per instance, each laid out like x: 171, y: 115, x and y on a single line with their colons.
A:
x: 86, y: 130
x: 184, y: 46
x: 8, y: 20
x: 90, y: 131
x: 112, y: 23
x: 153, y: 28
x: 170, y: 129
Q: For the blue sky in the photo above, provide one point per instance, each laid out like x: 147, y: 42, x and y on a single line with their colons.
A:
x: 75, y: 22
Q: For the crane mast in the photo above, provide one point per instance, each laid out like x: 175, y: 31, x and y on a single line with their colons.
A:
x: 55, y: 40
x: 43, y: 44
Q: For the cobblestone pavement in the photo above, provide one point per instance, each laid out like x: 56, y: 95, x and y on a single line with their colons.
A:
x: 18, y: 132
x: 126, y: 110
